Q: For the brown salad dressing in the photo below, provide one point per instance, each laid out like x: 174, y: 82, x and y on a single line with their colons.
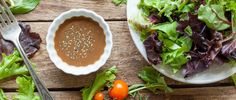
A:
x: 80, y: 41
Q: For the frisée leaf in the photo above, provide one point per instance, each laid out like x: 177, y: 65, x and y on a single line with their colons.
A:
x: 11, y: 65
x: 100, y: 81
x: 176, y: 57
x: 26, y: 89
x: 154, y: 82
x: 161, y: 7
x: 2, y: 95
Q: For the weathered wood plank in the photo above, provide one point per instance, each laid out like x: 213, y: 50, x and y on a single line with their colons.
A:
x: 206, y: 93
x: 49, y: 9
x: 60, y: 95
x: 124, y: 55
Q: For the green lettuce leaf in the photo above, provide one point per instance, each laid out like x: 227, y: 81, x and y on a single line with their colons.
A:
x: 176, y: 57
x: 11, y: 65
x: 154, y: 82
x: 26, y: 89
x: 2, y: 95
x: 142, y: 26
x: 165, y: 7
x: 187, y: 7
x: 22, y: 6
x: 162, y: 7
x: 170, y: 45
x: 185, y: 43
x: 168, y: 28
x: 100, y: 81
x: 230, y: 5
x: 213, y: 16
x: 234, y: 22
x: 174, y: 47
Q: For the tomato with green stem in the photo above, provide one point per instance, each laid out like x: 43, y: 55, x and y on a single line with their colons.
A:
x: 119, y: 91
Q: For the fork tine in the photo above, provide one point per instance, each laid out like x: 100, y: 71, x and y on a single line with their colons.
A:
x: 3, y: 24
x: 2, y: 21
x: 5, y: 15
x: 11, y: 16
x: 1, y: 29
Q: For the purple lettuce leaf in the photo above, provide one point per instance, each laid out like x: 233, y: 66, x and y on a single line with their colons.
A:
x: 153, y: 18
x: 196, y: 25
x: 30, y: 42
x: 201, y: 60
x: 153, y: 48
x: 229, y: 49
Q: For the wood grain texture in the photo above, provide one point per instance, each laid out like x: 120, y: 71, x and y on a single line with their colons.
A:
x: 124, y: 55
x: 60, y: 95
x: 49, y: 9
x: 206, y: 93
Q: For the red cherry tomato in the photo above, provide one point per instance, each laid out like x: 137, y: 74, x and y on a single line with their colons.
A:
x: 99, y: 96
x: 119, y: 90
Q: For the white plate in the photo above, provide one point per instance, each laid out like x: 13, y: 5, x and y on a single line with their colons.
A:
x: 213, y: 74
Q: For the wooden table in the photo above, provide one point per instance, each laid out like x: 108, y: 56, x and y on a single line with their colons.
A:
x: 124, y: 54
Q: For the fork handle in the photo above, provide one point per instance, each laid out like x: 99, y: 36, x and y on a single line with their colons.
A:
x: 43, y: 91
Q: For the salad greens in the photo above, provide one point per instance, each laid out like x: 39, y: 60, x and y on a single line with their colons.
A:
x: 2, y: 95
x: 11, y: 65
x: 217, y: 20
x: 26, y: 89
x: 154, y: 82
x: 107, y: 76
x: 174, y: 45
x: 187, y: 35
x: 22, y: 6
x: 161, y: 7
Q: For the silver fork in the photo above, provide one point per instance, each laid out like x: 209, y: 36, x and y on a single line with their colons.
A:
x: 11, y: 30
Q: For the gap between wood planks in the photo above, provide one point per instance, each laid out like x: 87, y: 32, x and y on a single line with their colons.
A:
x: 190, y: 86
x: 52, y: 20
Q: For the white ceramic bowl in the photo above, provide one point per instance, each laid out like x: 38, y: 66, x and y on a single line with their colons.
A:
x: 213, y: 74
x: 70, y: 69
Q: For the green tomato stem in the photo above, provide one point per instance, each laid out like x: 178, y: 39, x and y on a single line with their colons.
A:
x: 137, y: 89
